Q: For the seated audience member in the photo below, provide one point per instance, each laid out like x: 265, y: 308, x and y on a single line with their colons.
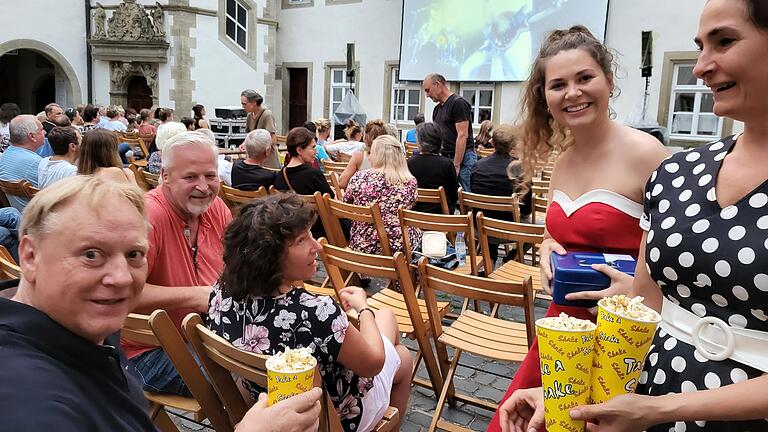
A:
x: 7, y: 112
x: 90, y: 118
x: 58, y: 335
x: 114, y: 123
x: 10, y: 219
x: 74, y: 117
x: 431, y: 169
x: 188, y: 123
x: 418, y: 119
x: 164, y: 132
x: 360, y: 159
x: 298, y: 175
x: 45, y: 150
x: 64, y: 142
x: 132, y: 125
x: 98, y: 157
x: 322, y: 131
x: 392, y: 186
x: 19, y: 161
x: 185, y: 252
x: 354, y: 136
x: 52, y: 110
x: 248, y: 174
x: 198, y: 112
x: 483, y: 138
x: 121, y: 115
x: 321, y: 153
x: 268, y: 247
x: 501, y: 174
x: 145, y: 123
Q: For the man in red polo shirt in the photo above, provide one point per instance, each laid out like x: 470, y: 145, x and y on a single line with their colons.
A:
x: 185, y: 251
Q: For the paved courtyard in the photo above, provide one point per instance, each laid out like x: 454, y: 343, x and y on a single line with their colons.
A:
x: 476, y: 376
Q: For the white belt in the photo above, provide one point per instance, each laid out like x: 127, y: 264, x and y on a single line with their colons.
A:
x: 714, y: 339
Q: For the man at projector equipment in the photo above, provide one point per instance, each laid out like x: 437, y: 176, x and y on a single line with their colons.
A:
x: 453, y: 115
x: 260, y: 118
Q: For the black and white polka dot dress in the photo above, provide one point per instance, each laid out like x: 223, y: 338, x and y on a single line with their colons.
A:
x: 710, y: 260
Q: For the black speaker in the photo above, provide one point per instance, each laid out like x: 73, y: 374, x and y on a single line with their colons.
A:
x: 350, y: 57
x: 646, y: 56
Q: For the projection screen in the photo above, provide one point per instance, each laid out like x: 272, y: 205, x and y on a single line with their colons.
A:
x: 486, y: 40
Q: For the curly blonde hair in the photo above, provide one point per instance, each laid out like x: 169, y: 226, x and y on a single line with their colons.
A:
x: 540, y: 134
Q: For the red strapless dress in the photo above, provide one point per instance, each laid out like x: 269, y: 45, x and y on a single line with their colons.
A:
x: 598, y: 221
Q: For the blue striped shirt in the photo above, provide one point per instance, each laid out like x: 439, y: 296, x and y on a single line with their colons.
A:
x: 19, y: 164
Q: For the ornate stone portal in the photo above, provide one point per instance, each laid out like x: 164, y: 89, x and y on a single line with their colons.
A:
x: 134, y: 45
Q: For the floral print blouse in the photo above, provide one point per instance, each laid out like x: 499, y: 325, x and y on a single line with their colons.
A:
x: 368, y: 187
x: 297, y: 319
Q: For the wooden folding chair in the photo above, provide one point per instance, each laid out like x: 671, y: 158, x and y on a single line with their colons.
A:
x: 335, y: 185
x: 158, y: 329
x: 433, y: 196
x: 330, y: 166
x: 9, y: 269
x: 484, y: 152
x: 234, y: 197
x: 474, y: 201
x: 30, y: 190
x: 472, y: 331
x: 152, y: 180
x: 342, y: 157
x: 16, y: 188
x: 411, y: 313
x: 539, y: 211
x: 449, y: 224
x: 522, y: 235
x: 336, y: 210
x: 221, y: 360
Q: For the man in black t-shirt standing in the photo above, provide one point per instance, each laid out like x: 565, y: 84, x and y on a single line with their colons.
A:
x: 453, y: 115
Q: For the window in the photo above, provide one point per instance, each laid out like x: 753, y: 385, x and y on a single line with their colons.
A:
x: 405, y: 99
x: 237, y: 23
x: 691, y: 115
x: 481, y: 99
x: 338, y: 88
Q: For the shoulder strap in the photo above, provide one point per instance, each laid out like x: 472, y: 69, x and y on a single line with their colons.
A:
x: 285, y: 176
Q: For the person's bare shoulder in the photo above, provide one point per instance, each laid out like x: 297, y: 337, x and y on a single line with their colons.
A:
x: 643, y: 149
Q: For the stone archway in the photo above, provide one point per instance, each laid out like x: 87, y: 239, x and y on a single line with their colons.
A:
x: 72, y: 94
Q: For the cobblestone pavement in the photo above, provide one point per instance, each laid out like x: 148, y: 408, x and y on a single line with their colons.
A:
x: 477, y: 376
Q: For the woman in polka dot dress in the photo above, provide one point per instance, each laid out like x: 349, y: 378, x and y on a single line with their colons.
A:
x: 704, y: 252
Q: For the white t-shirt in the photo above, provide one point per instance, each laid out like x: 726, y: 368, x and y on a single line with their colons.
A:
x: 348, y: 147
x: 50, y: 171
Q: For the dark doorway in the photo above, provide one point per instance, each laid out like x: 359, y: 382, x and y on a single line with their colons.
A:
x: 139, y: 94
x: 27, y: 79
x: 297, y: 97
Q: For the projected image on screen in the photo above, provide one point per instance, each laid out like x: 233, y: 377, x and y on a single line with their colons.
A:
x: 486, y: 40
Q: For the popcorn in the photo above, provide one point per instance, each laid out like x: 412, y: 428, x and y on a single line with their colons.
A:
x: 565, y: 322
x: 292, y: 361
x: 630, y: 307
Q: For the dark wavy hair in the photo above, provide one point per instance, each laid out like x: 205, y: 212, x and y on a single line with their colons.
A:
x: 256, y: 242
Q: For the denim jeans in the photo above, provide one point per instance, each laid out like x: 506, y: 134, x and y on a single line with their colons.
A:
x: 158, y: 374
x: 469, y: 161
x: 122, y: 149
x: 10, y: 218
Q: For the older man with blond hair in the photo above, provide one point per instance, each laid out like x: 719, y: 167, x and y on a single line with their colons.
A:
x: 185, y: 250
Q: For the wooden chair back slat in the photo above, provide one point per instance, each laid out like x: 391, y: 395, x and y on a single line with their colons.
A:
x: 151, y: 180
x: 433, y: 196
x: 336, y: 185
x: 234, y: 197
x: 330, y: 166
x: 174, y: 345
x: 473, y: 201
x: 372, y: 215
x: 520, y: 233
x: 540, y: 205
x: 9, y: 269
x: 434, y: 279
x: 344, y: 157
x: 16, y: 188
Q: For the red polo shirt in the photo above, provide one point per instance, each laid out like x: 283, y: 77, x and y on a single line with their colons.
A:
x: 170, y: 261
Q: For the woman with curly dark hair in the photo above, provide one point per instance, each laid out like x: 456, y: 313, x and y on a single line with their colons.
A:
x: 256, y: 306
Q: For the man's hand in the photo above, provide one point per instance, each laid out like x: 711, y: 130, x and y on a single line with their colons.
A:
x: 545, y: 250
x: 300, y: 413
x: 202, y: 294
x: 523, y: 411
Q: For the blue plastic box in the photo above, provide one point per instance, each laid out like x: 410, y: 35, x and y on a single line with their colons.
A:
x: 573, y: 272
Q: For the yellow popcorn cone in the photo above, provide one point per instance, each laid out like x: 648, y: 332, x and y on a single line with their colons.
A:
x: 282, y: 385
x: 620, y: 351
x: 565, y: 358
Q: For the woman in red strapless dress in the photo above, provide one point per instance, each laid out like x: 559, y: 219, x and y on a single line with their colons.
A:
x: 597, y: 185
